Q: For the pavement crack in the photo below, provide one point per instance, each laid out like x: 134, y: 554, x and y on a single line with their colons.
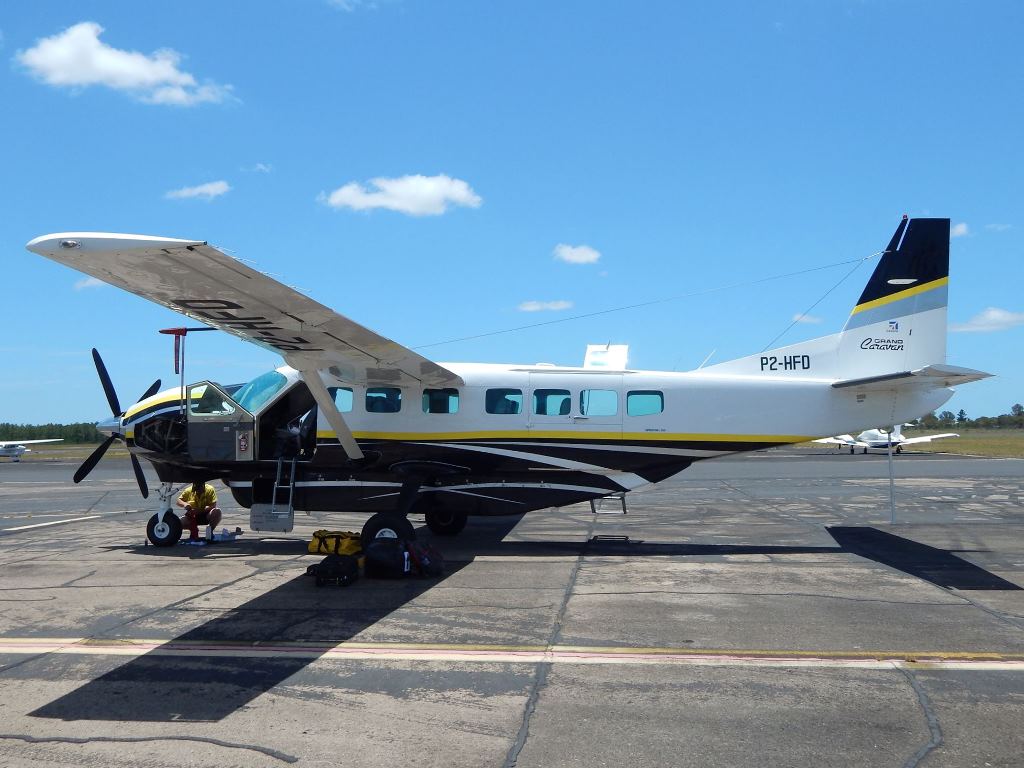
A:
x: 544, y: 668
x: 931, y: 718
x: 28, y: 739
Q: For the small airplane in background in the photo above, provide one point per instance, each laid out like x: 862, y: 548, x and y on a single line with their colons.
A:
x: 879, y: 438
x: 13, y: 449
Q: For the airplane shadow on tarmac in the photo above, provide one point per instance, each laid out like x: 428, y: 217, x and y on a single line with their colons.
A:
x: 157, y: 687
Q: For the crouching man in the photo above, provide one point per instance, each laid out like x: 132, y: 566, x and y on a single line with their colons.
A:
x: 200, y: 503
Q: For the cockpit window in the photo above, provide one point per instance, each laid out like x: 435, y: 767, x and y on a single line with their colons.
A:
x: 206, y: 400
x: 260, y: 390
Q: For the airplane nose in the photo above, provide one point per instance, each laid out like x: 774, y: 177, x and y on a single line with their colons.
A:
x: 110, y: 426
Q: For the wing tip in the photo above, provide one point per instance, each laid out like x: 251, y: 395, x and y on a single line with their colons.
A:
x: 63, y: 242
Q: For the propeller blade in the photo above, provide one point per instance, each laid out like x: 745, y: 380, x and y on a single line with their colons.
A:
x: 153, y: 389
x: 93, y: 459
x: 141, y: 478
x: 108, y: 387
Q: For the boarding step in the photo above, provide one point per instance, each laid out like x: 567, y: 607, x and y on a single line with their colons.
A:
x: 272, y: 517
x: 601, y: 506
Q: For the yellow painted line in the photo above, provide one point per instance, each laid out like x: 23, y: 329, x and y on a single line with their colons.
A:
x: 901, y: 295
x: 448, y: 652
x: 577, y: 435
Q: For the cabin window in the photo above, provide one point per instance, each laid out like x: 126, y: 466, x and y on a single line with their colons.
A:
x: 504, y: 401
x: 599, y: 402
x: 383, y: 400
x: 552, y: 402
x: 645, y: 403
x: 342, y: 398
x: 441, y: 400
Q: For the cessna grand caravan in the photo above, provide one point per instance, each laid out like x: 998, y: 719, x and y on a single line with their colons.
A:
x: 357, y: 422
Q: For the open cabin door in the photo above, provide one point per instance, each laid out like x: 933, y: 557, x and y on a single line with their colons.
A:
x: 219, y: 429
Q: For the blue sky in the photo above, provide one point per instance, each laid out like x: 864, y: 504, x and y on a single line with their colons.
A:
x: 687, y: 146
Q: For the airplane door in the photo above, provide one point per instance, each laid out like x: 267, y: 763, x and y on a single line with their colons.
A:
x: 219, y: 429
x: 581, y: 404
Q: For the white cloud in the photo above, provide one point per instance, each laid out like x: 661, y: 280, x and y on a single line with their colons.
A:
x: 260, y: 168
x: 206, y: 191
x: 576, y: 254
x: 89, y: 282
x: 77, y: 58
x: 998, y: 227
x: 801, y: 318
x: 413, y: 195
x: 544, y: 306
x: 990, y: 319
x: 958, y: 230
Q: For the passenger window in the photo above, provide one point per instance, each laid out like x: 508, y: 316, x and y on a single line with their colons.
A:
x: 383, y: 400
x: 204, y: 399
x: 504, y: 401
x: 441, y: 400
x: 599, y: 402
x: 342, y: 398
x: 551, y: 402
x: 645, y: 403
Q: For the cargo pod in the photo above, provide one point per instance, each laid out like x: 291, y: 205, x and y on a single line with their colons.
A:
x: 219, y: 429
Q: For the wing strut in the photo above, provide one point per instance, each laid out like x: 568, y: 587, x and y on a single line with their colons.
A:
x: 329, y: 409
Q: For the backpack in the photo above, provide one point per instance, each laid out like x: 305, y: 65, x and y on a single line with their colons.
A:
x: 342, y: 570
x: 426, y: 560
x: 386, y: 559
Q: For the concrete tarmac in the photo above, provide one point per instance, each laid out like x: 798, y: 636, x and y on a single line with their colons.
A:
x: 758, y: 610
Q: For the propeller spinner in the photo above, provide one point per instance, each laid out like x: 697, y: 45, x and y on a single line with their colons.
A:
x: 115, y: 408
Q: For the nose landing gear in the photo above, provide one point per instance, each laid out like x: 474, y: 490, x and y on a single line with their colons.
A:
x: 164, y: 528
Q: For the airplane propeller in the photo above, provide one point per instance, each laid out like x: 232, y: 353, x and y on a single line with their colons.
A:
x: 115, y: 408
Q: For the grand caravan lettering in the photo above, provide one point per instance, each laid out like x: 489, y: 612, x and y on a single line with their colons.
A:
x: 885, y: 345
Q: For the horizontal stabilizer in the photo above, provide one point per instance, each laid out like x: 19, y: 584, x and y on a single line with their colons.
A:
x: 931, y: 377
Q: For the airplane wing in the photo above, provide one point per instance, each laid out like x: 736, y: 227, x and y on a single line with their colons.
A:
x: 926, y: 438
x: 202, y: 282
x: 840, y: 440
x: 4, y: 443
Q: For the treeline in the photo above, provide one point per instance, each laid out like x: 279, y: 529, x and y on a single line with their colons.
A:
x: 72, y: 433
x: 945, y: 419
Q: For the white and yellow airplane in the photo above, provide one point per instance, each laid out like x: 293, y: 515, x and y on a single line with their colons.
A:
x: 880, y: 439
x: 357, y: 422
x: 14, y: 449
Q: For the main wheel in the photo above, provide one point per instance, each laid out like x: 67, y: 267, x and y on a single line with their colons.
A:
x: 445, y: 522
x: 385, y: 525
x: 164, y: 532
x: 899, y: 449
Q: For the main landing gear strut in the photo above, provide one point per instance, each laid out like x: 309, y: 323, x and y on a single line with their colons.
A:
x: 396, y: 525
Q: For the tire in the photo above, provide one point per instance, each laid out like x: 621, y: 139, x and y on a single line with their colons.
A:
x: 899, y: 449
x: 166, y: 533
x: 444, y: 522
x: 385, y: 525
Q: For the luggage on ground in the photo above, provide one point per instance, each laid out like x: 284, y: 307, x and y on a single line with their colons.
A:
x: 342, y: 570
x: 386, y: 559
x: 326, y: 542
x: 426, y: 560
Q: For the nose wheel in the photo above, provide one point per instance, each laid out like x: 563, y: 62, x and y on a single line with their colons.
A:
x: 164, y: 529
x: 387, y: 525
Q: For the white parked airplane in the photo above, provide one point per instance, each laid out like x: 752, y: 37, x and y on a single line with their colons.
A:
x: 357, y: 422
x: 13, y: 449
x: 880, y: 439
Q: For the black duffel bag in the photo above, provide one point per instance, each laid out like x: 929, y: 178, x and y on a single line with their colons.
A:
x: 342, y: 570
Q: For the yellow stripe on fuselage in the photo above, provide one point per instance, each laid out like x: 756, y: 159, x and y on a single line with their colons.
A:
x: 570, y: 435
x: 901, y: 295
x: 150, y: 402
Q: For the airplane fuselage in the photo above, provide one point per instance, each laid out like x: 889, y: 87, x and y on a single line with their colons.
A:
x: 513, y: 437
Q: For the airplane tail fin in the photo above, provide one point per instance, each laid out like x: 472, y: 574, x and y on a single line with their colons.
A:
x: 898, y: 324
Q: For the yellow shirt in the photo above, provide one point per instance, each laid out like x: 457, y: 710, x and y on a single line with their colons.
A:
x: 208, y: 498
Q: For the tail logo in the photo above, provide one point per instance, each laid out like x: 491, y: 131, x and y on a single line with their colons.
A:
x: 885, y: 345
x: 894, y: 326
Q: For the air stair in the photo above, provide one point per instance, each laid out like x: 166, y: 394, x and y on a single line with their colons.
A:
x: 277, y: 514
